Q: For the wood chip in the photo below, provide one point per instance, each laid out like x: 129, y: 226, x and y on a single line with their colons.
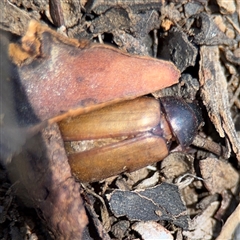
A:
x: 152, y: 230
x: 227, y: 7
x: 204, y: 225
x: 218, y: 175
x: 230, y: 226
x: 215, y: 96
x: 44, y: 181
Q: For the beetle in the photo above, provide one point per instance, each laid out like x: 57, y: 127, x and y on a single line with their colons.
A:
x: 149, y: 126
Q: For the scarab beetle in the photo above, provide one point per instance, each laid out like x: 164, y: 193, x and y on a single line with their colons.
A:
x: 149, y: 126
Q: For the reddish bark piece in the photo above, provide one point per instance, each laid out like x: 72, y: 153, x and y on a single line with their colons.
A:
x: 64, y: 77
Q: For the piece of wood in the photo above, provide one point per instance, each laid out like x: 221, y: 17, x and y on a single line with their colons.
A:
x: 64, y: 77
x: 215, y: 96
x: 42, y: 179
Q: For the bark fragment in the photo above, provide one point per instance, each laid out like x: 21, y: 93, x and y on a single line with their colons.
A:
x: 215, y: 96
x: 43, y: 180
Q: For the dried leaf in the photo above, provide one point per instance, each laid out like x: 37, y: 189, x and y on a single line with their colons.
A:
x: 162, y: 202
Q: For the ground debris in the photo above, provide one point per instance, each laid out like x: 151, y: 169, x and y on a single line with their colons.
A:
x: 218, y: 175
x: 208, y: 33
x: 215, y: 96
x: 100, y: 6
x: 54, y: 192
x: 177, y: 48
x: 161, y: 202
x: 152, y: 230
x: 204, y: 226
x: 202, y: 38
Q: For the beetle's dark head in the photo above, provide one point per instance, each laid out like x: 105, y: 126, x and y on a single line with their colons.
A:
x: 183, y: 118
